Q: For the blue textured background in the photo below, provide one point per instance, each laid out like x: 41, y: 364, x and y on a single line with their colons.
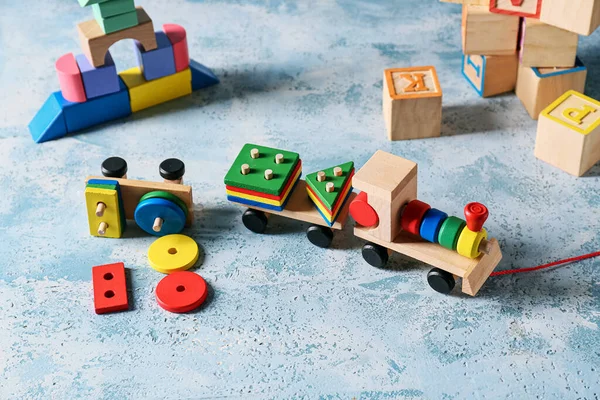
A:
x: 287, y: 319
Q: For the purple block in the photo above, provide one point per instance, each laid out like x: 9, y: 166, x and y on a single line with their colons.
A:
x: 158, y: 62
x: 98, y: 81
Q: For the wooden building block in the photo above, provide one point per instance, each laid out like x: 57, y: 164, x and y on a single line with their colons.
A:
x: 69, y: 77
x: 118, y: 22
x: 491, y: 75
x: 178, y: 38
x: 158, y: 62
x: 110, y: 288
x: 390, y: 182
x: 109, y: 224
x: 520, y: 8
x: 95, y: 43
x: 544, y: 45
x: 144, y: 94
x: 537, y: 88
x: 412, y: 103
x: 112, y: 8
x: 568, y: 134
x: 472, y: 2
x: 49, y: 122
x: 579, y: 16
x: 487, y: 33
x: 98, y: 81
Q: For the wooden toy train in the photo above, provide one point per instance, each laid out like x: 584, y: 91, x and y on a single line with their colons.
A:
x: 267, y: 181
x: 386, y: 211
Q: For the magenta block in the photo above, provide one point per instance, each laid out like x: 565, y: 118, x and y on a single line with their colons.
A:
x: 98, y: 81
x: 158, y: 62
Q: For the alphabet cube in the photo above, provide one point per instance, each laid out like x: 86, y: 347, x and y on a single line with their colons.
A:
x: 537, y: 88
x: 390, y: 182
x: 491, y: 75
x: 412, y: 103
x: 474, y: 2
x: 579, y: 16
x: 544, y: 45
x: 521, y: 8
x: 568, y: 134
x: 487, y: 33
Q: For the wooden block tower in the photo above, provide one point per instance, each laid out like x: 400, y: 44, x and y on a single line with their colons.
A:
x: 529, y: 46
x: 92, y: 92
x: 412, y: 103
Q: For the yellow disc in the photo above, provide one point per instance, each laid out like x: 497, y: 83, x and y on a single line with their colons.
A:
x: 173, y: 253
x: 469, y: 241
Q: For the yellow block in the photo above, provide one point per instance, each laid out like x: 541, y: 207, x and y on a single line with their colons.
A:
x: 144, y: 94
x: 263, y: 199
x: 575, y: 111
x: 111, y: 215
x: 469, y: 241
x: 173, y: 253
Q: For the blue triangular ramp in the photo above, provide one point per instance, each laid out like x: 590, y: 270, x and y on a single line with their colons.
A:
x: 49, y: 122
x: 202, y: 77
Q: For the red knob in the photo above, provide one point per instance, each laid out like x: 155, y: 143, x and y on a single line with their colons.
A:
x: 476, y: 215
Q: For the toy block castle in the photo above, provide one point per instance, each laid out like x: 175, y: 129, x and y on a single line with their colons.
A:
x: 92, y: 92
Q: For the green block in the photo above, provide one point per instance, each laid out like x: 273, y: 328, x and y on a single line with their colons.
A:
x: 112, y: 8
x: 118, y: 22
x: 85, y: 3
x: 450, y: 231
x: 329, y: 198
x: 255, y: 180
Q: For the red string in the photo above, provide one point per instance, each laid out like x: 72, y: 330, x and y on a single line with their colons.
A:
x: 552, y: 264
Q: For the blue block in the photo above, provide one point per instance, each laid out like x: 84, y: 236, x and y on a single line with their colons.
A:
x: 96, y: 111
x: 202, y: 77
x: 98, y: 81
x: 49, y: 122
x: 159, y: 62
x: 431, y: 224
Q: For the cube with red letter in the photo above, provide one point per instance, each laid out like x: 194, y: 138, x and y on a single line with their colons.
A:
x: 412, y: 103
x: 521, y: 8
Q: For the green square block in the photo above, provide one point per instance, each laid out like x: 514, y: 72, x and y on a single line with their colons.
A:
x: 118, y: 22
x: 326, y: 197
x: 112, y: 8
x: 255, y: 180
x: 85, y: 3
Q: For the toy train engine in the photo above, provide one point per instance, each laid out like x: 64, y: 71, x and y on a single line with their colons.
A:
x: 390, y: 218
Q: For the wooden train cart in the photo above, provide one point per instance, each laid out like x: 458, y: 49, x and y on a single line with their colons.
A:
x: 390, y: 218
x: 159, y: 208
x: 299, y: 207
x: 473, y: 272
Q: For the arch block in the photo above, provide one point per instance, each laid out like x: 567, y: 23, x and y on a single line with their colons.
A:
x: 95, y: 43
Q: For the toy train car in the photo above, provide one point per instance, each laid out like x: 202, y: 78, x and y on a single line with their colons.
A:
x: 387, y: 213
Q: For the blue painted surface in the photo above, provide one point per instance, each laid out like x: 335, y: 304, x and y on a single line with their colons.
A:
x: 431, y: 224
x: 150, y: 209
x: 49, y: 122
x: 286, y: 319
x: 578, y: 67
x: 98, y: 81
x: 202, y: 77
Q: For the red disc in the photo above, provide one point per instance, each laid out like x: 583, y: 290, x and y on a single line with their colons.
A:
x: 181, y: 292
x: 362, y: 212
x: 413, y: 215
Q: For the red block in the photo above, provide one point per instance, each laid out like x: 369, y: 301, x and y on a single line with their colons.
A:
x: 70, y: 80
x: 110, y: 288
x: 178, y: 38
x: 362, y: 212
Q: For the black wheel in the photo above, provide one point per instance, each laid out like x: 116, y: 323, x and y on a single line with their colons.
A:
x: 255, y: 220
x: 114, y: 167
x: 320, y: 236
x: 172, y: 169
x: 375, y: 255
x: 440, y: 280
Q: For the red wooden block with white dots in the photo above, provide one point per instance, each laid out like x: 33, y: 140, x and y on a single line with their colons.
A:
x: 110, y: 288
